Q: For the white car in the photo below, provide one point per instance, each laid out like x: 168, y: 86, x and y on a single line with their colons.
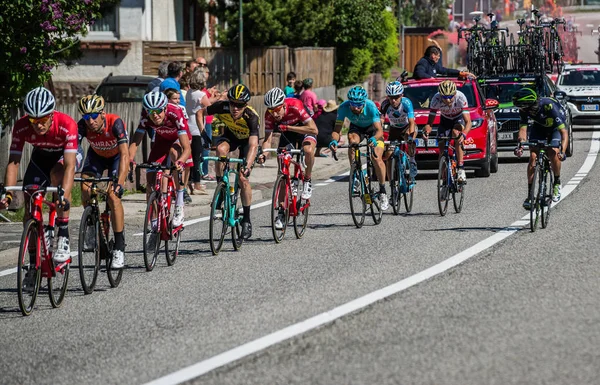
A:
x: 581, y: 82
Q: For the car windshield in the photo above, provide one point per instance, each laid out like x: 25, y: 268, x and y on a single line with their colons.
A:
x: 116, y: 93
x: 503, y: 92
x: 580, y: 78
x: 421, y: 95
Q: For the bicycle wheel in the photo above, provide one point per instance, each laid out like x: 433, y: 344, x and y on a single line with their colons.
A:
x: 236, y: 231
x: 458, y: 197
x: 30, y: 243
x: 108, y: 244
x: 358, y: 206
x: 301, y: 218
x: 395, y: 195
x: 280, y: 204
x: 534, y: 210
x: 218, y: 219
x: 172, y: 254
x: 57, y: 283
x: 152, y: 230
x: 443, y: 186
x: 408, y: 186
x: 546, y: 191
x: 376, y: 211
x: 88, y: 255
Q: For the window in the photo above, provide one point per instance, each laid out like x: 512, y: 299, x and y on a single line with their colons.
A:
x: 108, y: 21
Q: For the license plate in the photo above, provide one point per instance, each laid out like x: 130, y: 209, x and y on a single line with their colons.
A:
x: 430, y: 143
x: 505, y: 135
x: 589, y: 107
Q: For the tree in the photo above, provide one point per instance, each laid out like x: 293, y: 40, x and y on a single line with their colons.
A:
x: 37, y: 35
x: 431, y: 13
x: 385, y: 52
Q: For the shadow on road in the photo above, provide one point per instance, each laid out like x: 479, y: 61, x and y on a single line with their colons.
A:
x: 465, y: 229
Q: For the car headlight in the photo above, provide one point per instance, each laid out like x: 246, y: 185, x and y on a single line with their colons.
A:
x: 476, y: 123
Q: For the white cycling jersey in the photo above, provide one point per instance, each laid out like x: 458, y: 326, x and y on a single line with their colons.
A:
x: 454, y: 110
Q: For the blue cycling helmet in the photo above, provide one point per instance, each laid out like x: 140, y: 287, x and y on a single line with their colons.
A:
x: 394, y: 89
x: 357, y: 95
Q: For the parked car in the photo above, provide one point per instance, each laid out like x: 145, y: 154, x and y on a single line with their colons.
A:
x: 502, y: 88
x: 118, y: 89
x: 581, y: 82
x: 480, y: 145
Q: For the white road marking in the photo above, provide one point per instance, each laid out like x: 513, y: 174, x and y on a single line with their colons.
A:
x: 319, y: 320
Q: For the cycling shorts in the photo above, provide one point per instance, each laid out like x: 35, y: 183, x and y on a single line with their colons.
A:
x: 42, y: 162
x: 365, y: 133
x: 554, y: 137
x: 447, y: 124
x: 234, y: 143
x: 295, y: 139
x: 398, y: 133
x: 96, y: 164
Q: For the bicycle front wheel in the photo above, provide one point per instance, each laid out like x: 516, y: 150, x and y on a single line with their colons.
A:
x: 114, y: 275
x: 458, y: 197
x: 218, y: 219
x: 408, y: 186
x: 376, y: 211
x: 152, y: 230
x: 88, y: 250
x: 236, y: 231
x: 173, y: 253
x: 546, y: 191
x: 358, y: 206
x: 534, y: 210
x: 28, y: 274
x: 57, y: 283
x: 301, y: 218
x: 280, y: 207
x: 443, y: 186
x: 395, y: 178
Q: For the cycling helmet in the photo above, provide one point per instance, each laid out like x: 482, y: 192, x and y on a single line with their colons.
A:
x: 274, y: 97
x: 238, y: 93
x: 357, y: 95
x: 155, y: 100
x: 394, y: 89
x: 447, y: 88
x: 39, y: 102
x: 90, y: 104
x: 524, y: 98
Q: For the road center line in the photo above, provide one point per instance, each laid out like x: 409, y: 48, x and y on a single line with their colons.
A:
x: 319, y: 320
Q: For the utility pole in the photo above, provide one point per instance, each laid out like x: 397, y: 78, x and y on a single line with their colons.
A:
x: 400, y: 42
x: 241, y: 42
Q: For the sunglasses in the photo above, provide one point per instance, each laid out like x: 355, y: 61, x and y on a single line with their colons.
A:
x: 91, y: 116
x: 202, y: 64
x: 275, y: 109
x: 394, y: 97
x: 156, y: 111
x: 447, y: 97
x: 41, y: 120
x: 237, y: 105
x: 357, y: 105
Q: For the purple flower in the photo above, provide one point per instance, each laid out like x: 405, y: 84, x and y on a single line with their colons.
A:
x: 44, y: 6
x: 23, y: 49
x: 27, y: 67
x: 47, y: 26
x: 48, y: 42
x: 87, y: 2
x: 46, y: 67
x: 56, y: 11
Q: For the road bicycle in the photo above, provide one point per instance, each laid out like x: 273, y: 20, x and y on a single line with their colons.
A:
x: 361, y: 188
x: 94, y: 230
x: 401, y: 182
x: 225, y: 206
x: 36, y: 249
x: 286, y: 202
x: 158, y: 222
x: 447, y: 182
x: 542, y: 184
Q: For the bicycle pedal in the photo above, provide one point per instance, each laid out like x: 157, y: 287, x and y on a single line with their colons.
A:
x: 368, y: 199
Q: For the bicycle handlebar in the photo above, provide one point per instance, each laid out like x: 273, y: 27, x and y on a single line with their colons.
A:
x: 96, y: 180
x: 225, y: 159
x: 283, y: 151
x: 156, y: 166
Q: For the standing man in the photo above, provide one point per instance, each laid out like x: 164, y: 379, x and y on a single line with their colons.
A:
x: 174, y: 73
x: 154, y: 85
x: 430, y: 66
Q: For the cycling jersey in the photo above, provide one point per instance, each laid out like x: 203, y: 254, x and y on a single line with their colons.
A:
x: 368, y: 116
x: 173, y: 125
x: 295, y: 113
x: 61, y: 137
x: 549, y: 116
x: 242, y: 128
x: 106, y: 143
x: 398, y: 117
x: 458, y: 106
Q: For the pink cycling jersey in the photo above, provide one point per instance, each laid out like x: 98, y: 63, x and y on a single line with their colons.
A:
x: 295, y: 113
x: 174, y: 125
x: 62, y: 135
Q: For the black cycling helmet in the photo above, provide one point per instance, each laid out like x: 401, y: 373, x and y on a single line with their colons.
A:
x: 525, y: 98
x: 239, y: 94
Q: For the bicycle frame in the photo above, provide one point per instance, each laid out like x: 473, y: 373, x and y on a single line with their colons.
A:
x: 285, y: 160
x: 232, y: 189
x: 95, y: 191
x: 166, y: 198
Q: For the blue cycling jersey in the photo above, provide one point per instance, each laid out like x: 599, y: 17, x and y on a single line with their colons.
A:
x: 368, y: 116
x: 549, y: 116
x: 398, y: 117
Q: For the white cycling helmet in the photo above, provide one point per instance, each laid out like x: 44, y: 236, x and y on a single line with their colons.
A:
x: 274, y: 97
x: 394, y: 89
x: 155, y: 100
x: 39, y: 102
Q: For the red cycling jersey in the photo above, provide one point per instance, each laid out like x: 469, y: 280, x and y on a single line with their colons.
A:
x: 295, y: 113
x: 62, y: 135
x: 106, y: 143
x: 174, y: 125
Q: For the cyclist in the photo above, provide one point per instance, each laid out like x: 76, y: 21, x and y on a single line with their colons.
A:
x: 399, y: 111
x: 241, y: 124
x: 172, y: 143
x: 455, y: 119
x: 548, y: 123
x: 289, y: 117
x: 53, y: 136
x: 108, y: 141
x: 365, y: 122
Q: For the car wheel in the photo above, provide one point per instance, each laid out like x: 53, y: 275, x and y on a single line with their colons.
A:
x: 570, y: 147
x: 485, y: 169
x: 494, y: 165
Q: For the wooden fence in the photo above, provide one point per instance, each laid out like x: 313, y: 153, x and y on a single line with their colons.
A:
x: 154, y: 52
x: 414, y: 48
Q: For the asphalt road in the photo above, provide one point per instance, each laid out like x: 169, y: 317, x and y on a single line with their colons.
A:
x: 522, y: 311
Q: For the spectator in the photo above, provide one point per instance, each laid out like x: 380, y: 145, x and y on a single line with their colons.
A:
x: 320, y: 104
x: 174, y: 73
x: 201, y: 62
x: 154, y: 85
x: 184, y: 82
x: 207, y: 133
x: 291, y: 78
x: 308, y: 97
x: 326, y: 123
x: 190, y: 66
x: 298, y: 88
x: 429, y: 66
